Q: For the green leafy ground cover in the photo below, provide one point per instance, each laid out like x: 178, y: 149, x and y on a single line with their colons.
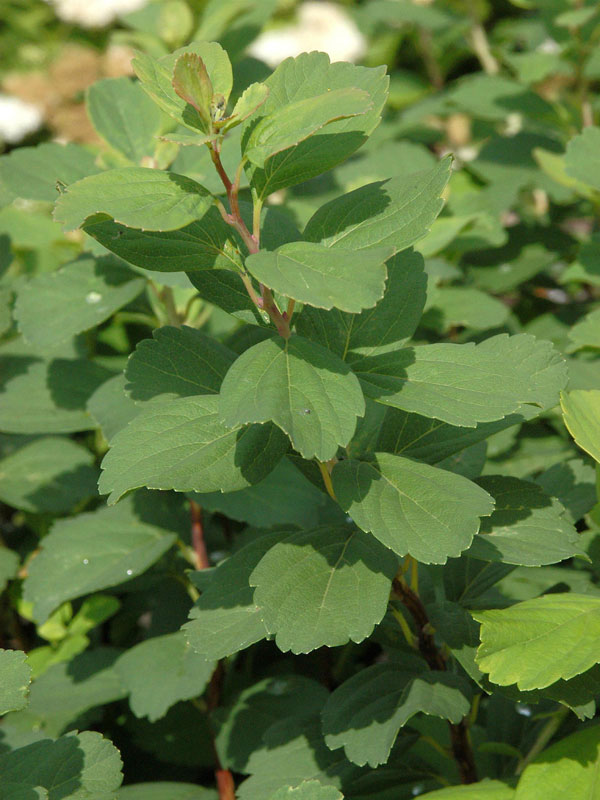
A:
x: 300, y: 416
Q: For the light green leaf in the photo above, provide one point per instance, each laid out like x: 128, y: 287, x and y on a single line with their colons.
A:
x: 349, y: 575
x: 581, y: 413
x: 249, y: 101
x: 78, y: 766
x: 149, y: 199
x: 33, y: 172
x: 284, y: 497
x: 182, y: 444
x: 156, y: 77
x: 482, y: 790
x: 464, y: 384
x: 15, y: 677
x: 321, y: 277
x: 296, y: 121
x: 582, y: 161
x: 288, y: 84
x: 365, y: 713
x: 225, y: 618
x: 537, y: 642
x: 449, y: 306
x: 241, y: 726
x: 307, y: 790
x: 192, y: 84
x: 51, y: 474
x: 527, y: 527
x: 162, y: 790
x: 308, y: 392
x: 176, y: 362
x: 124, y: 116
x: 393, y: 320
x: 93, y: 551
x: 52, y: 308
x: 568, y: 768
x: 586, y: 332
x: 205, y: 244
x: 187, y: 139
x: 160, y: 672
x: 395, y: 213
x: 111, y: 408
x: 412, y: 507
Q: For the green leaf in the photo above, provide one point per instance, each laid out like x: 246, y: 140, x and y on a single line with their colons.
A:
x: 225, y: 619
x: 568, y: 768
x: 330, y: 145
x: 52, y: 308
x: 586, y: 332
x: 45, y: 395
x: 365, y: 713
x: 205, y: 244
x: 15, y: 677
x: 482, y: 790
x: 349, y: 575
x: 177, y: 362
x: 467, y: 383
x: 192, y: 84
x: 296, y: 121
x: 527, y: 527
x: 284, y: 497
x: 160, y: 672
x: 48, y: 475
x: 537, y: 642
x: 308, y: 392
x: 307, y: 790
x: 156, y: 77
x: 581, y: 413
x: 450, y: 306
x: 393, y: 320
x: 249, y: 101
x: 111, y: 408
x: 124, y: 116
x: 293, y: 752
x: 78, y: 766
x: 573, y: 482
x: 225, y: 289
x: 395, y: 213
x: 149, y: 199
x: 65, y: 691
x: 581, y: 160
x: 412, y: 507
x: 33, y: 172
x: 96, y: 550
x: 242, y: 725
x: 9, y: 566
x: 182, y: 444
x: 162, y: 790
x: 187, y: 139
x: 321, y: 277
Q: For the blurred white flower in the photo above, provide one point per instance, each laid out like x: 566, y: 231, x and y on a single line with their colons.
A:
x: 320, y: 26
x: 94, y: 13
x: 17, y: 119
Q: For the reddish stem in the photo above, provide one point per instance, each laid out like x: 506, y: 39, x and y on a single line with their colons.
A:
x: 198, y: 542
x: 462, y: 750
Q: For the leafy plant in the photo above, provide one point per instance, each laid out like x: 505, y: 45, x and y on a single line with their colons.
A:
x: 342, y: 544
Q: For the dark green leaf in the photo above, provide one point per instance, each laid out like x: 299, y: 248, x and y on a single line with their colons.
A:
x: 287, y: 382
x: 15, y: 677
x: 412, y: 507
x: 349, y: 575
x: 182, y: 444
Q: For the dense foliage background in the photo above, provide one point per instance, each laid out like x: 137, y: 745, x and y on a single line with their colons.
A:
x: 193, y: 643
